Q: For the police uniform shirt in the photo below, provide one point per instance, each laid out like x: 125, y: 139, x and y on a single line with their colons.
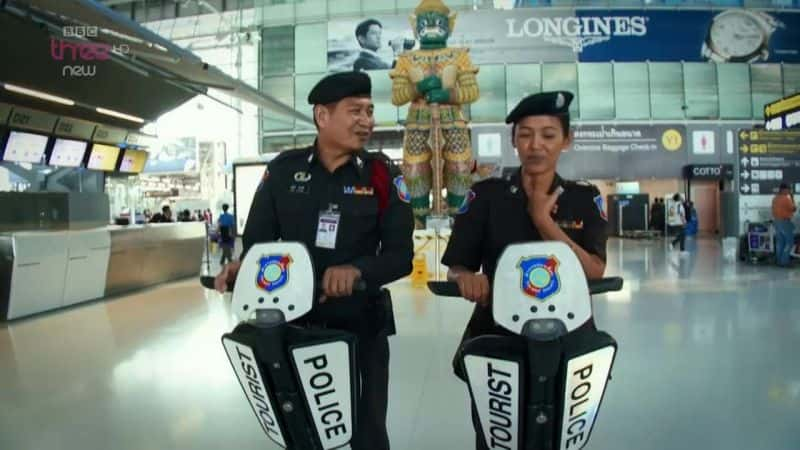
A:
x: 297, y: 188
x: 497, y: 216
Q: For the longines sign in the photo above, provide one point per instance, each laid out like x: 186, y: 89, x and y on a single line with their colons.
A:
x: 577, y: 32
x: 536, y: 35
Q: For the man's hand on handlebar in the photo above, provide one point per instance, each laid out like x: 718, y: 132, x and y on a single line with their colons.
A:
x: 227, y: 276
x: 473, y: 287
x: 339, y: 281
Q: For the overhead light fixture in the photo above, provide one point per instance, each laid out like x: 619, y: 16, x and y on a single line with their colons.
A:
x: 38, y: 94
x: 120, y: 115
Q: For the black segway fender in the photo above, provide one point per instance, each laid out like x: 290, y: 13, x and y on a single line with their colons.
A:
x: 495, y: 370
x: 300, y: 382
x: 541, y: 385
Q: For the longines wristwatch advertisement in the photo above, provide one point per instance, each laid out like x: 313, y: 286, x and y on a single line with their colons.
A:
x: 531, y: 35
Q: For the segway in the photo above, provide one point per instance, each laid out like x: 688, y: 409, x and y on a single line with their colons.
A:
x: 301, y: 382
x: 540, y: 387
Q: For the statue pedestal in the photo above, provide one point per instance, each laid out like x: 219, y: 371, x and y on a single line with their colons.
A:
x: 437, y: 224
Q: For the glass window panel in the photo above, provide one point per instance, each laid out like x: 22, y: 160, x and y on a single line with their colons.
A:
x: 274, y: 12
x: 767, y: 86
x: 596, y: 88
x: 281, y: 89
x: 700, y: 90
x: 344, y: 8
x: 404, y: 6
x: 140, y: 12
x: 666, y: 90
x: 302, y: 87
x: 385, y: 111
x: 273, y: 144
x: 186, y: 9
x: 522, y: 80
x: 304, y: 140
x: 561, y: 77
x: 307, y: 10
x: 277, y: 50
x: 791, y: 79
x: 734, y: 91
x: 378, y: 6
x: 309, y: 55
x: 631, y: 91
x: 491, y: 106
x: 170, y: 10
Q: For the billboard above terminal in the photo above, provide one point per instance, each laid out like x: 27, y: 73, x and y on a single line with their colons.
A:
x: 583, y: 35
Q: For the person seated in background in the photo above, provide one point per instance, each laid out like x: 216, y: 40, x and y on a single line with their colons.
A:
x: 225, y: 231
x: 164, y: 216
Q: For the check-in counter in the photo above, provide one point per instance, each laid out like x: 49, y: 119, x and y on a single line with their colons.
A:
x: 46, y: 270
x: 145, y: 255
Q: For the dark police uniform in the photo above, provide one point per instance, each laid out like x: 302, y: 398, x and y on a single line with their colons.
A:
x: 495, y: 215
x: 498, y: 217
x: 375, y: 227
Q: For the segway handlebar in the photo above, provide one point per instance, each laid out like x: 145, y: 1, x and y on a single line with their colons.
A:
x: 208, y: 283
x: 450, y: 288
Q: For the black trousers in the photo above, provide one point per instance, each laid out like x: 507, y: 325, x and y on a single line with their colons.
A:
x: 373, y: 399
x: 680, y: 235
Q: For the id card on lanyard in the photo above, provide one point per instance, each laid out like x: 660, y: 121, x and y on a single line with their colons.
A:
x: 327, y: 227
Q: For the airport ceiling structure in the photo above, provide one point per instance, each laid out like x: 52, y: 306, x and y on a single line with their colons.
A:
x: 139, y: 76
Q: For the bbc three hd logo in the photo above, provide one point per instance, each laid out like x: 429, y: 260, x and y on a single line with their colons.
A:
x: 80, y: 53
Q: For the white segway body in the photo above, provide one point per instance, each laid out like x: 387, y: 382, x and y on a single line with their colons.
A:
x: 541, y: 387
x: 300, y: 382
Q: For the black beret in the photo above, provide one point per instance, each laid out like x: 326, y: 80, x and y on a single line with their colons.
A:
x: 335, y: 87
x: 541, y: 104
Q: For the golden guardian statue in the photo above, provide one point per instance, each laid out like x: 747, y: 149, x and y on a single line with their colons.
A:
x: 437, y: 80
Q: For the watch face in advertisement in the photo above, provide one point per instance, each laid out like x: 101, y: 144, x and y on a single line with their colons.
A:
x: 736, y: 34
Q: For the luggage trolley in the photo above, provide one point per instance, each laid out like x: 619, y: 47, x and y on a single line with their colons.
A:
x: 760, y: 242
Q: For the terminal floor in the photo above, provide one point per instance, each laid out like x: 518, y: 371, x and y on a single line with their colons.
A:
x: 708, y: 358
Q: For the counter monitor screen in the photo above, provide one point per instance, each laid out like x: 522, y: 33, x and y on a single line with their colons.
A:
x: 25, y: 147
x: 103, y: 157
x: 133, y: 161
x: 67, y: 153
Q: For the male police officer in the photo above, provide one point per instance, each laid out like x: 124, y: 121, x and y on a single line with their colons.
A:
x: 364, y: 204
x: 532, y: 205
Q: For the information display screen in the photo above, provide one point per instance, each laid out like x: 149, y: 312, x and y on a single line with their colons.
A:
x: 103, y: 157
x: 25, y: 147
x: 67, y: 153
x: 133, y: 161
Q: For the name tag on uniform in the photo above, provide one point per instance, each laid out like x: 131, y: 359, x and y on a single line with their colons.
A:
x: 327, y: 227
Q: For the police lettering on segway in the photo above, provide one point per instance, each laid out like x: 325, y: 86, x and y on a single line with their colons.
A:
x: 350, y: 210
x: 530, y: 334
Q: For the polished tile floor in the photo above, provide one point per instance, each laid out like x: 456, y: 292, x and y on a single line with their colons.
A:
x: 708, y: 359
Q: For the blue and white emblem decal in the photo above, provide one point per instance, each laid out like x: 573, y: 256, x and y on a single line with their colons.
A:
x: 540, y: 276
x: 402, y: 189
x: 273, y: 272
x: 598, y: 201
x: 468, y: 198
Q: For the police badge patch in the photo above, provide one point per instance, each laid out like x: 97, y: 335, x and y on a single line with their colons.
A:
x: 468, y: 198
x: 540, y: 277
x: 402, y: 189
x: 273, y: 272
x: 598, y: 201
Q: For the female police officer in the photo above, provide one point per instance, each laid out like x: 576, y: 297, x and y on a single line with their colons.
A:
x: 534, y: 204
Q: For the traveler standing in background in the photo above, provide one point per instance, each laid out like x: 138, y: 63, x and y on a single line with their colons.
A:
x: 225, y: 231
x: 677, y: 222
x: 783, y: 209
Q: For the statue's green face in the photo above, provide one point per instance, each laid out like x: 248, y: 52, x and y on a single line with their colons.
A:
x: 433, y: 29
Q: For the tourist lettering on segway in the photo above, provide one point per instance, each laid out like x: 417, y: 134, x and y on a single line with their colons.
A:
x: 351, y: 210
x: 534, y: 204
